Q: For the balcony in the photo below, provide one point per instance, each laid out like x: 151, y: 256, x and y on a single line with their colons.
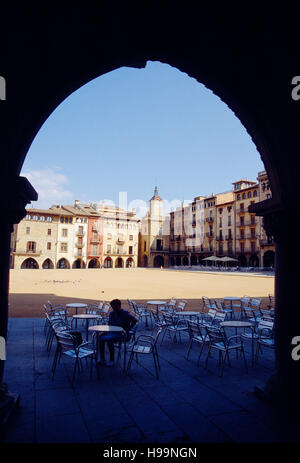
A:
x: 209, y: 219
x: 267, y: 242
x: 80, y: 233
x: 27, y: 252
x: 229, y: 237
x: 247, y: 223
x: 252, y: 237
x: 219, y: 238
x: 241, y: 211
x: 79, y: 245
x: 95, y: 240
x: 209, y: 234
x: 120, y: 241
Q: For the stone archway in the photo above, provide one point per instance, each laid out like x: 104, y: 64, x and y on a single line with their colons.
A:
x: 108, y: 262
x: 94, y: 263
x: 78, y: 263
x: 47, y: 264
x: 269, y: 259
x: 158, y: 261
x: 30, y: 264
x: 209, y: 54
x: 119, y: 263
x: 63, y: 263
x: 129, y: 262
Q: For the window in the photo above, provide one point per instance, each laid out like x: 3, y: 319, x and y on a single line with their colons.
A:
x: 130, y: 237
x: 48, y: 246
x: 238, y: 197
x: 249, y: 194
x: 42, y: 218
x: 64, y: 232
x: 229, y: 220
x: 242, y: 234
x: 28, y: 217
x: 49, y: 231
x: 49, y: 219
x: 80, y: 230
x: 255, y: 193
x: 242, y: 221
x: 244, y: 195
x: 130, y: 249
x: 159, y: 245
x: 64, y: 247
x: 70, y: 220
x: 31, y: 246
x: 145, y: 244
x: 109, y: 236
x: 242, y: 206
x: 252, y: 232
x: 27, y: 230
x: 35, y: 217
x: 108, y: 248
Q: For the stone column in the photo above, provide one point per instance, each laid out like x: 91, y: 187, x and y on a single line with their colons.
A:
x: 16, y: 193
x: 284, y: 387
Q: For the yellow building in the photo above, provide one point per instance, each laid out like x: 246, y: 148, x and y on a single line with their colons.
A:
x: 154, y: 235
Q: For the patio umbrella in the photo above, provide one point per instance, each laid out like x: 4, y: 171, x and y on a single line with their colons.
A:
x: 212, y: 258
x: 227, y: 259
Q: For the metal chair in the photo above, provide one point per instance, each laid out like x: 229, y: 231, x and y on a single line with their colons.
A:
x: 219, y: 341
x: 221, y: 306
x: 196, y: 335
x: 173, y: 325
x: 67, y: 344
x: 265, y: 336
x: 145, y: 345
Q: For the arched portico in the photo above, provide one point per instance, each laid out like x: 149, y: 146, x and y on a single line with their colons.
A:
x: 223, y: 54
x: 48, y: 264
x: 30, y: 263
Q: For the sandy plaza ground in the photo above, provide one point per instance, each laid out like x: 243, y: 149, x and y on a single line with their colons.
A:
x: 30, y: 289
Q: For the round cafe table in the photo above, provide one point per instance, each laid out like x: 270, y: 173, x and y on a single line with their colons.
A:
x: 99, y: 329
x: 157, y: 303
x: 76, y: 306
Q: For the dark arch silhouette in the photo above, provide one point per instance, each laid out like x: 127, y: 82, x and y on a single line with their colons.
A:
x: 269, y: 259
x: 211, y: 45
x: 158, y: 261
x: 119, y: 263
x: 48, y: 264
x: 30, y: 264
x: 78, y: 263
x: 94, y: 263
x: 63, y: 263
x: 108, y: 262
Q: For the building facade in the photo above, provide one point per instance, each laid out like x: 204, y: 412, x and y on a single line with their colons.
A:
x: 154, y: 235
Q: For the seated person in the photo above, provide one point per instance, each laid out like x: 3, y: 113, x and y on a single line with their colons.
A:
x: 118, y: 317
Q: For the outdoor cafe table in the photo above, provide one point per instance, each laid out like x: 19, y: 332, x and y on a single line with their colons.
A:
x: 232, y: 299
x: 76, y: 306
x: 99, y: 329
x: 87, y: 317
x: 157, y: 303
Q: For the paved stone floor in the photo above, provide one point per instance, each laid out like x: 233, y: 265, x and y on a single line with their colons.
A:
x: 187, y: 404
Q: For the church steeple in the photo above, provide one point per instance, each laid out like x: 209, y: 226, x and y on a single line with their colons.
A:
x: 156, y: 195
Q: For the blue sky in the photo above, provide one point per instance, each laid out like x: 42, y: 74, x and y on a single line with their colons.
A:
x: 133, y: 128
